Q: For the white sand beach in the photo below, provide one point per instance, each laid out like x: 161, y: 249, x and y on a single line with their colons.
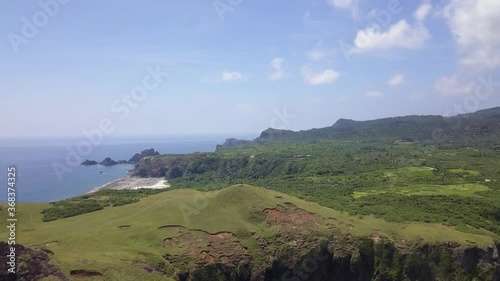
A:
x: 134, y: 183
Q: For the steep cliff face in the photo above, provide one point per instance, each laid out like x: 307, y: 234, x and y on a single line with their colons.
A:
x: 169, y: 167
x: 300, y: 251
x: 370, y: 262
x: 172, y: 166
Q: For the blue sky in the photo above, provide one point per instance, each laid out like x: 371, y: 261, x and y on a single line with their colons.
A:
x: 240, y: 66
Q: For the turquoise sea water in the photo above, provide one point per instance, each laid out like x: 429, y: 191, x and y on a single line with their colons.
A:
x: 37, y: 180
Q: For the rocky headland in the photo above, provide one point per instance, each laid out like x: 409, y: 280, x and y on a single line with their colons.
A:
x: 134, y: 160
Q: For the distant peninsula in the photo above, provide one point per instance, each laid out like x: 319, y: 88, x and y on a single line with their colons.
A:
x: 134, y: 160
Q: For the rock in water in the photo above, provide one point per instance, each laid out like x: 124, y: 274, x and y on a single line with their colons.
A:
x: 89, y: 163
x: 109, y: 162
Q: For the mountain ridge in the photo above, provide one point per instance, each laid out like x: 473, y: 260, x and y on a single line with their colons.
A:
x: 424, y: 128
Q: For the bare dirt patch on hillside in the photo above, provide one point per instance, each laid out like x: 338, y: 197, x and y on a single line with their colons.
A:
x: 295, y: 233
x: 289, y: 218
x: 203, y: 247
x: 299, y: 232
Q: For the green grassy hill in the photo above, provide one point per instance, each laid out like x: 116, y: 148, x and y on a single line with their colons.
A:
x: 449, y: 184
x: 244, y: 229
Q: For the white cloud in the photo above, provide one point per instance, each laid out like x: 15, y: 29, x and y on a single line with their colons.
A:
x: 398, y: 35
x: 396, y: 80
x: 315, y: 78
x: 351, y: 5
x: 450, y: 85
x: 374, y: 94
x: 319, y: 58
x: 474, y: 25
x: 228, y: 76
x: 422, y: 12
x: 342, y: 4
x: 278, y: 69
x: 319, y: 53
x: 316, y: 55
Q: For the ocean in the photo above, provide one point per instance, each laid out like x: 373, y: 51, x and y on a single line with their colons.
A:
x: 38, y: 181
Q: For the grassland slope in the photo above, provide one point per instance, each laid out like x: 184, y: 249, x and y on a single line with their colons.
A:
x: 243, y: 231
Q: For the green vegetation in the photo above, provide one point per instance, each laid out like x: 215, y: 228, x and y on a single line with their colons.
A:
x: 449, y: 184
x: 457, y: 189
x: 425, y: 210
x: 464, y: 172
x: 127, y: 242
x: 95, y: 201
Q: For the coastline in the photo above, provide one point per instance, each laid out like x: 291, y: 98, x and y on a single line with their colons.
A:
x: 134, y: 183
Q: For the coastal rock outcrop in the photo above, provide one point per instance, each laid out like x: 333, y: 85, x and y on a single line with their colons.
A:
x: 134, y: 160
x: 89, y: 163
x: 108, y: 162
x: 232, y: 142
x: 145, y: 153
